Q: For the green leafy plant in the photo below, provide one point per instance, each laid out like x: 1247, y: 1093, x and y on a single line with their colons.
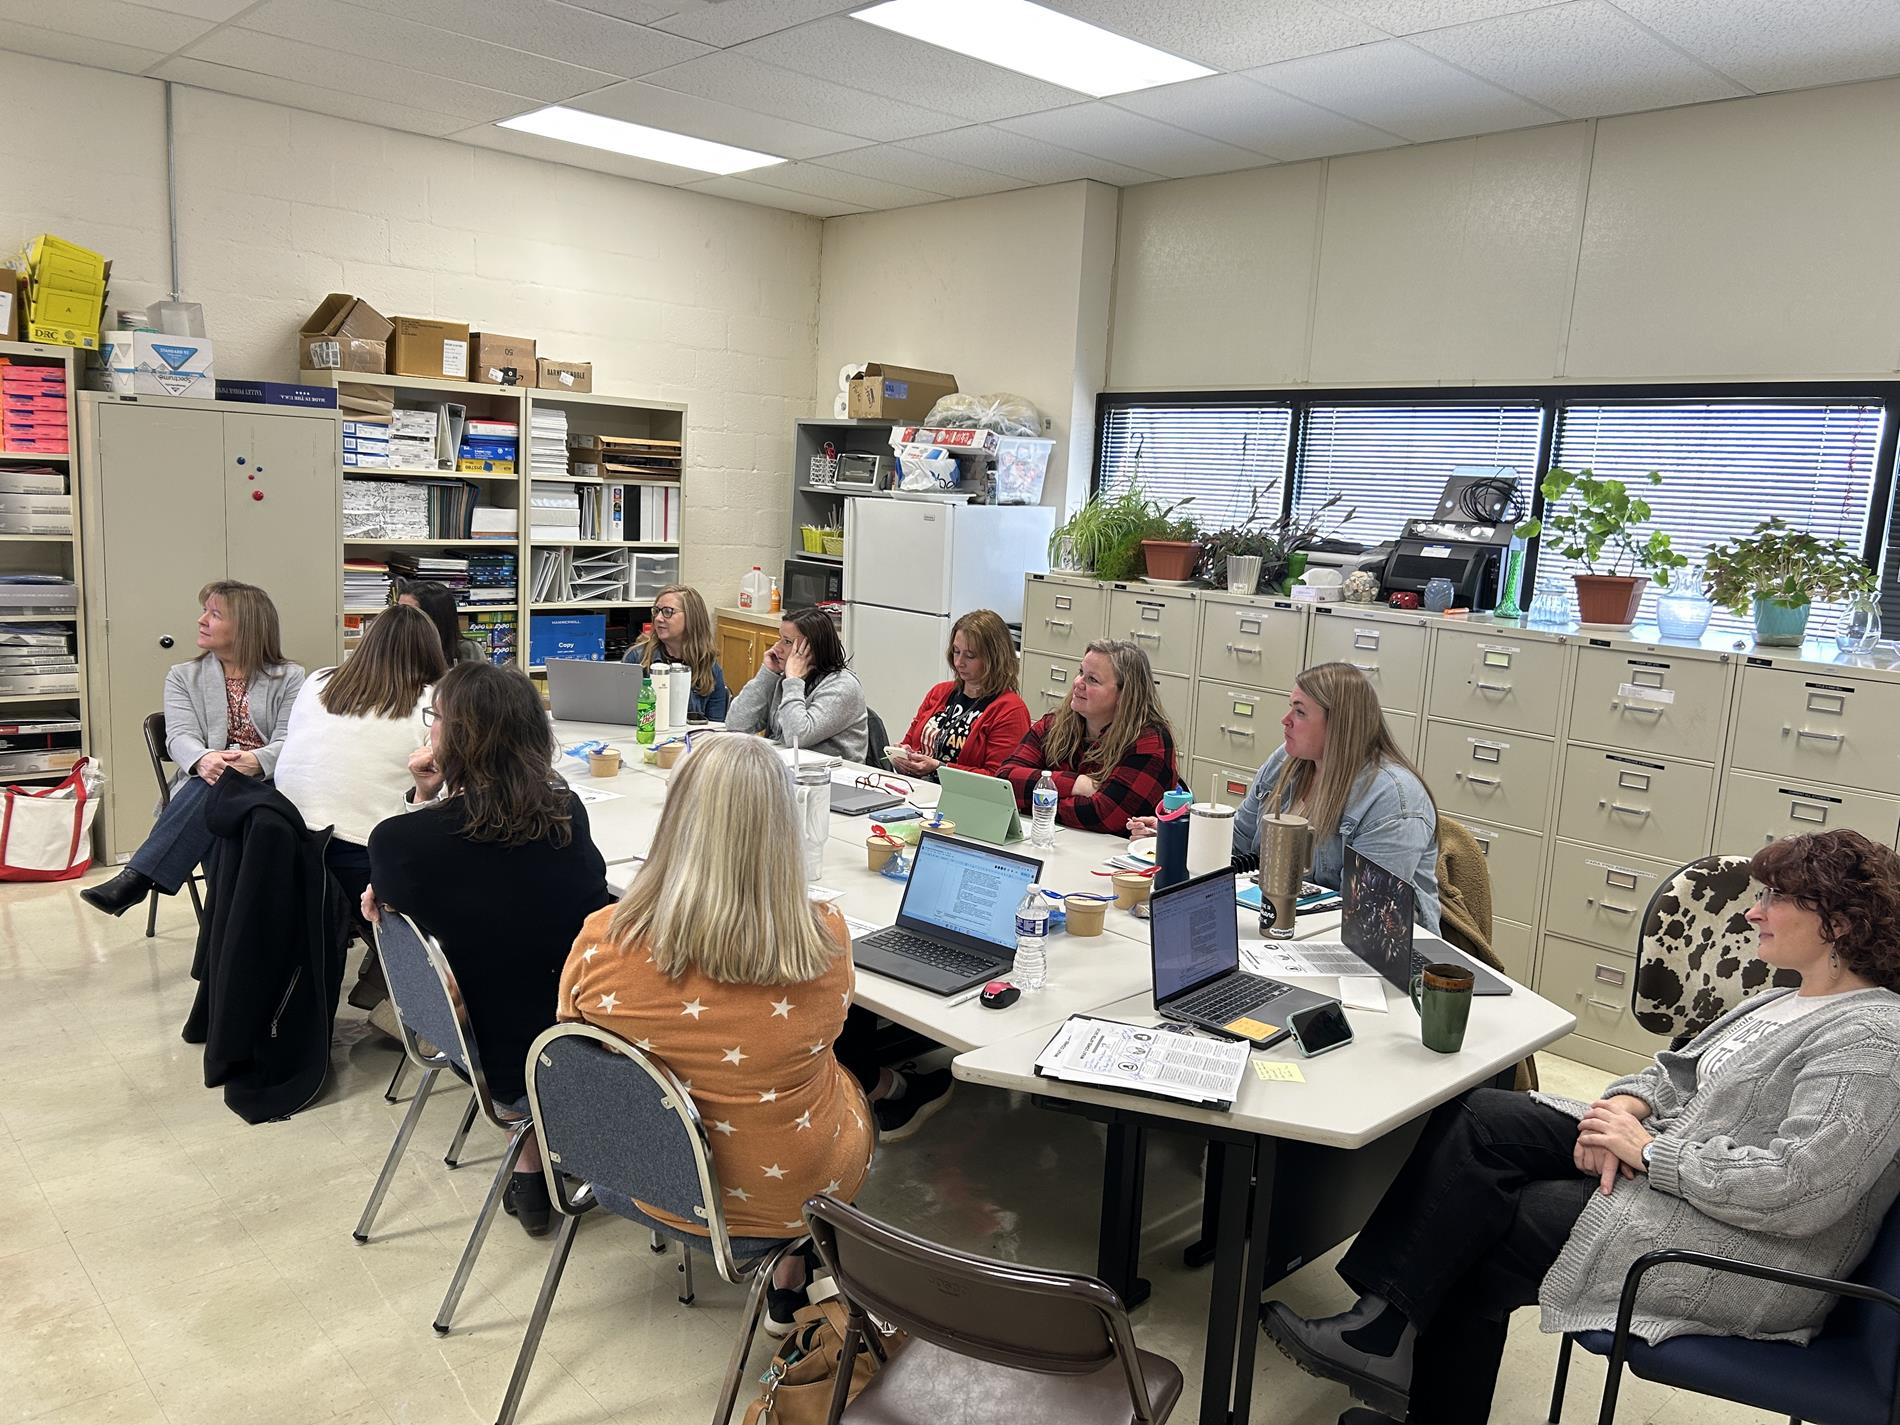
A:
x: 1275, y: 539
x: 1591, y: 521
x: 1790, y: 566
x: 1108, y: 531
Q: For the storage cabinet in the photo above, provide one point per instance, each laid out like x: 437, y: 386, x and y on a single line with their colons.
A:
x: 1390, y: 652
x: 1594, y: 984
x: 1499, y: 682
x: 1161, y: 625
x: 1237, y: 726
x: 1648, y: 701
x: 1645, y: 804
x: 1599, y: 896
x: 1817, y: 727
x: 1252, y: 643
x: 1758, y: 809
x: 740, y: 645
x: 1484, y: 775
x: 1062, y: 616
x: 1514, y: 858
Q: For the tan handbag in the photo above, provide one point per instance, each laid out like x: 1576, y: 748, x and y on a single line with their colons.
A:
x: 799, y: 1382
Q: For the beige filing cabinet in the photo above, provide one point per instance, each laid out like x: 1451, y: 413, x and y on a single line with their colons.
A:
x: 1251, y: 648
x: 174, y: 494
x: 1387, y: 645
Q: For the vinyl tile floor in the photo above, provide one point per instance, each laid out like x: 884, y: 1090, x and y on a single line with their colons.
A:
x: 162, y: 1263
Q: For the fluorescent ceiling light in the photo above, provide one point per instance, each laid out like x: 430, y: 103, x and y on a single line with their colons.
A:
x: 1036, y: 41
x: 637, y: 140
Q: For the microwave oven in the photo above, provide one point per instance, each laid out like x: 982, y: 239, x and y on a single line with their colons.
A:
x: 809, y: 582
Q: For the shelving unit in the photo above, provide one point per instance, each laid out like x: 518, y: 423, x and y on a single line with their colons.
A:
x: 58, y: 554
x: 824, y: 504
x: 586, y: 414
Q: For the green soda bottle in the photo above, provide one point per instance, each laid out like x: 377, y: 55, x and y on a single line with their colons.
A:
x: 643, y: 715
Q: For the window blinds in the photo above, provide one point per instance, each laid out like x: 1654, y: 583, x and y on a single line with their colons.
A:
x: 1727, y: 465
x: 1219, y: 454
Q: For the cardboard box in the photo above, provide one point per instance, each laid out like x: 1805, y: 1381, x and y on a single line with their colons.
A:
x: 495, y: 356
x: 357, y: 399
x: 897, y: 393
x: 278, y: 393
x: 157, y: 364
x: 423, y: 346
x: 9, y: 304
x: 344, y: 334
x: 577, y: 376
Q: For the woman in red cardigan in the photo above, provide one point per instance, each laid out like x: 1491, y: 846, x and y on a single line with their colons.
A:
x: 976, y: 719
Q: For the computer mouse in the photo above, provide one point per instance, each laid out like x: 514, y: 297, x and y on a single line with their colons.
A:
x: 999, y: 994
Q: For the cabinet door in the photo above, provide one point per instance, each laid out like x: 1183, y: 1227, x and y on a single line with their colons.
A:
x: 157, y: 488
x: 283, y: 524
x: 737, y: 651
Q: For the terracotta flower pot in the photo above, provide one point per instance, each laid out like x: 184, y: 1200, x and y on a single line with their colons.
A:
x: 1170, y: 558
x: 1609, y: 598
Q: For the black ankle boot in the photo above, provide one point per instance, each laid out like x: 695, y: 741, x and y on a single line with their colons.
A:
x: 118, y: 895
x: 526, y: 1200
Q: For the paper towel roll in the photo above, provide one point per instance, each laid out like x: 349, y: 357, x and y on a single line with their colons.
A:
x: 848, y: 373
x: 1210, y: 837
x: 841, y: 405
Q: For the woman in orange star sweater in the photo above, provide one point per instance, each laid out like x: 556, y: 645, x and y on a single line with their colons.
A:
x: 717, y: 963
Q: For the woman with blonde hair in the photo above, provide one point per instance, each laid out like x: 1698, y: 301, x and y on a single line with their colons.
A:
x: 682, y: 632
x: 227, y: 710
x: 976, y: 719
x: 1109, y: 748
x: 1340, y: 769
x: 718, y: 963
x: 346, y: 753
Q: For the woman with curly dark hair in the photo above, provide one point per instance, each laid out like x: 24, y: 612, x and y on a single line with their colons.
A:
x: 1770, y: 1137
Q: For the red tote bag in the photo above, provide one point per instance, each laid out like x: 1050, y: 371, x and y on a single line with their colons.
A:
x: 46, y: 833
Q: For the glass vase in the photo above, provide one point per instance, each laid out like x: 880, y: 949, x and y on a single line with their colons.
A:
x: 1513, y: 579
x: 1683, y: 609
x: 1857, y: 629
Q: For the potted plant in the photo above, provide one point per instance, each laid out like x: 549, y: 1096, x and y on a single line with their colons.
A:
x: 1776, y: 573
x: 1099, y: 526
x: 1590, y: 521
x: 1273, y: 541
x: 1168, y: 549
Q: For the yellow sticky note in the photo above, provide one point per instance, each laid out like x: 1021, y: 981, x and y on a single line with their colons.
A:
x: 1278, y: 1071
x: 1250, y: 1028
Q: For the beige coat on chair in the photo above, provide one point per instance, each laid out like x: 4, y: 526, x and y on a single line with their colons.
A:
x: 1464, y: 907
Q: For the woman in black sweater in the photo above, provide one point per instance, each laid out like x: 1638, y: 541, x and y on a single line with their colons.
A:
x: 495, y: 861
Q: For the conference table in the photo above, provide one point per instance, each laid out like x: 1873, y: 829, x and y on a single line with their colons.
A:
x: 1291, y: 1113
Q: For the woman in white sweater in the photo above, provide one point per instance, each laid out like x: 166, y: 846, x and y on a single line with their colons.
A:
x: 345, y: 762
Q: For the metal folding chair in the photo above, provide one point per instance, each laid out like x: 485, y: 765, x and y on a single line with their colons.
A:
x: 155, y: 749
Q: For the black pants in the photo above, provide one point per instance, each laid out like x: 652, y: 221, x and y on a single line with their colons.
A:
x: 1464, y: 1236
x: 857, y: 1048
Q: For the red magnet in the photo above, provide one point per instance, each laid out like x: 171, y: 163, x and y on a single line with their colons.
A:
x: 257, y: 494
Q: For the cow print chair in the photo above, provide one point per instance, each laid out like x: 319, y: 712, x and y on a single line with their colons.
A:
x: 1696, y: 959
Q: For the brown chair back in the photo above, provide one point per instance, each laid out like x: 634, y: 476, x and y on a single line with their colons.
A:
x: 1002, y: 1312
x: 155, y: 749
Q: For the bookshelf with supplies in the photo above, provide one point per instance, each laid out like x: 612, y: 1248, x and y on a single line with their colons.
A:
x: 530, y: 504
x: 42, y: 632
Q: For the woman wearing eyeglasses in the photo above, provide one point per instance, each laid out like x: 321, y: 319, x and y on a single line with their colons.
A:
x: 682, y: 632
x: 1769, y: 1138
x: 496, y: 862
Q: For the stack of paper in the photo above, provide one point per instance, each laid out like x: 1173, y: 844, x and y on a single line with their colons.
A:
x: 494, y: 522
x: 1149, y: 1059
x: 385, y: 509
x: 365, y: 584
x: 37, y: 659
x: 26, y: 592
x: 555, y: 511
x: 547, y: 442
x: 413, y: 438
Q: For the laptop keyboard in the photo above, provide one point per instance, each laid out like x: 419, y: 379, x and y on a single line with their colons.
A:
x: 1232, y: 998
x: 930, y: 952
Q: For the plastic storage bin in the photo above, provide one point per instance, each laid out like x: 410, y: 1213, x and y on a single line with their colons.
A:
x: 1022, y: 463
x: 653, y: 572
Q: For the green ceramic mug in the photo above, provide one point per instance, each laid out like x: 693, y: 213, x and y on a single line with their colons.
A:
x: 1442, y: 996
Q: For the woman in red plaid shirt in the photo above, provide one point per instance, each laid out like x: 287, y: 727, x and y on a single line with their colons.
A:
x: 1109, y: 746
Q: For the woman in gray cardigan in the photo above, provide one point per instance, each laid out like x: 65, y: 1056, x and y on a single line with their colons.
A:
x: 1771, y: 1137
x: 226, y: 712
x: 803, y: 692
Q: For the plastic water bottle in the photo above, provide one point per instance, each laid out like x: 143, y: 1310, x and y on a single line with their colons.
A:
x: 1031, y: 970
x: 643, y: 713
x: 1042, y: 830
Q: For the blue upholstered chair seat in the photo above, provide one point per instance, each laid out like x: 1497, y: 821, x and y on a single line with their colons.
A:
x: 1829, y: 1381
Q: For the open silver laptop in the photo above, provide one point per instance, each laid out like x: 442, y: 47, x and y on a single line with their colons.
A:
x: 580, y: 690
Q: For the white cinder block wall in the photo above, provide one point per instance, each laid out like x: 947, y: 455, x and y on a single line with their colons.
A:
x: 674, y: 296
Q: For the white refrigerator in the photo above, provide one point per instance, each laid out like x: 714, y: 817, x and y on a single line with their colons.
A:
x: 911, y: 568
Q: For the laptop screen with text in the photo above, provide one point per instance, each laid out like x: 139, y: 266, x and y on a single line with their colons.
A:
x: 967, y: 890
x: 1194, y: 932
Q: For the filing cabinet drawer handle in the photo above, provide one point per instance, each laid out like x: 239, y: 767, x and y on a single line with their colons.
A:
x: 1478, y: 781
x: 1484, y: 844
x: 1611, y: 1005
x: 1626, y: 811
x: 1147, y: 637
x: 1837, y: 738
x: 1371, y: 670
x: 1246, y: 732
x: 1618, y: 909
x: 1060, y: 622
x: 1052, y: 696
x: 1239, y: 648
x: 1495, y: 687
x: 1654, y: 711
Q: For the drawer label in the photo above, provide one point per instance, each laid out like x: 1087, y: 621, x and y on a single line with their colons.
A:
x: 1633, y: 761
x: 1251, y: 625
x: 1643, y: 693
x: 1063, y: 601
x: 1833, y: 687
x: 1498, y: 655
x: 1610, y: 868
x: 1243, y: 709
x: 1809, y: 796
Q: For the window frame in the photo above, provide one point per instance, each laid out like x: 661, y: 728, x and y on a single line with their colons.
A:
x: 1883, y: 518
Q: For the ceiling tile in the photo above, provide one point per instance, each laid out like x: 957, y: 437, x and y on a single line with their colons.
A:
x: 1581, y: 59
x: 641, y: 103
x: 825, y: 103
x: 295, y: 94
x: 1250, y: 116
x: 1408, y: 17
x: 76, y: 49
x: 446, y: 54
x: 1022, y: 157
x: 350, y: 74
x: 1400, y: 89
x: 215, y: 10
x: 1140, y: 142
x: 759, y: 194
x: 891, y: 163
x: 839, y: 186
x: 1225, y: 35
x: 639, y: 12
x: 112, y: 21
x: 598, y: 160
x: 733, y: 22
x: 1772, y: 44
x: 908, y: 70
x: 545, y: 27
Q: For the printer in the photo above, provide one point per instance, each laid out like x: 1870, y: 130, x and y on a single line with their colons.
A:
x: 1466, y: 539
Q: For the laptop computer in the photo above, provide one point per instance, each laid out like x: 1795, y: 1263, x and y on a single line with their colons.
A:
x: 956, y: 926
x: 582, y: 690
x: 1378, y: 924
x: 857, y: 801
x: 1194, y: 939
x: 983, y: 807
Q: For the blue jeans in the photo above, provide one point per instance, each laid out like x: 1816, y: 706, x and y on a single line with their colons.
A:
x: 179, y: 840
